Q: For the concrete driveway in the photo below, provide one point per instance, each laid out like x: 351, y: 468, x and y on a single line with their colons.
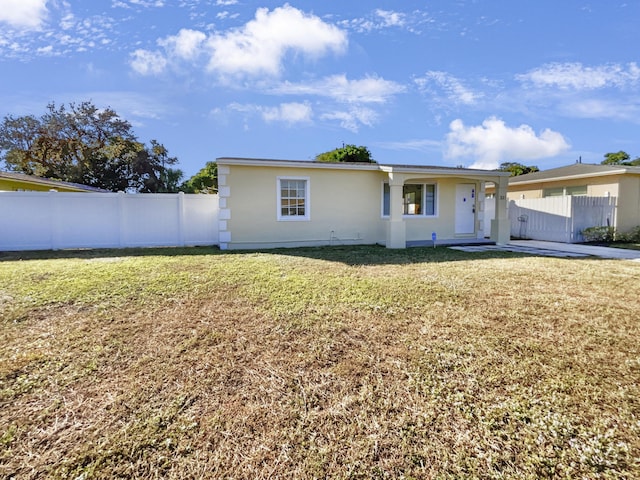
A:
x: 556, y: 249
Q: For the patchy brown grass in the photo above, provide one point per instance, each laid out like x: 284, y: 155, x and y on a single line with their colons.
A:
x: 318, y: 363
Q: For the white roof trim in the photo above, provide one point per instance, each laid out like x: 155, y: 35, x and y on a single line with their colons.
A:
x: 252, y: 162
x: 571, y: 177
x: 416, y: 170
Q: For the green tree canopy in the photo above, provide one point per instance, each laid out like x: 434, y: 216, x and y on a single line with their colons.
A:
x: 348, y: 153
x: 517, y: 168
x: 84, y: 144
x: 620, y: 158
x: 205, y: 181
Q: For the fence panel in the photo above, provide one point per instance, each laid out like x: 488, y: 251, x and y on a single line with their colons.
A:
x: 592, y: 212
x: 559, y: 219
x: 81, y: 220
x: 151, y: 220
x: 200, y: 219
x: 55, y: 220
x: 26, y: 221
x: 541, y: 218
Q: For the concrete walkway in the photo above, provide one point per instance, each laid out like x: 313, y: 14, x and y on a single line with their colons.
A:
x: 556, y: 249
x: 602, y: 252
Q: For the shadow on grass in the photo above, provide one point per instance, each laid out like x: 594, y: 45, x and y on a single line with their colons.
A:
x: 91, y: 253
x: 380, y: 255
x: 350, y: 255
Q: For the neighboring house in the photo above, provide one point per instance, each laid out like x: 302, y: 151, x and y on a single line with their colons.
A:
x: 619, y: 183
x: 20, y: 182
x: 280, y: 203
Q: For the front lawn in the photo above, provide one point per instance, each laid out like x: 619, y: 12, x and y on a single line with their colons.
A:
x: 355, y: 362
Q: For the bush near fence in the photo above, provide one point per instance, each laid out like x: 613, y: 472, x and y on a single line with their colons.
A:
x: 610, y: 234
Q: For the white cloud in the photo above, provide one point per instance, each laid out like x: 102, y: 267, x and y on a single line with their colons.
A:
x: 146, y: 62
x: 27, y: 14
x: 243, y: 107
x: 61, y: 35
x: 603, y: 108
x: 493, y: 142
x: 186, y: 45
x: 135, y: 106
x: 48, y: 50
x: 141, y: 3
x: 291, y: 113
x: 420, y: 145
x: 381, y: 19
x: 352, y: 120
x: 391, y: 19
x: 256, y: 49
x: 339, y: 87
x: 578, y: 77
x: 226, y: 3
x: 453, y: 88
x: 288, y: 112
x: 260, y: 46
x: 378, y: 20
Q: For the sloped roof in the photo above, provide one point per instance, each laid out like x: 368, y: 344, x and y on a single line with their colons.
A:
x: 21, y: 177
x: 577, y: 170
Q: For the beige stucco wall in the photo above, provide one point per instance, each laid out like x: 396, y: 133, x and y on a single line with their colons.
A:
x: 345, y: 208
x: 340, y: 207
x: 443, y: 224
x: 596, y: 187
x: 628, y: 215
x: 625, y: 188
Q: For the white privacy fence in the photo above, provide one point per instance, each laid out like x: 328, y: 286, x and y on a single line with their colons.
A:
x: 560, y: 219
x: 556, y: 219
x: 55, y: 220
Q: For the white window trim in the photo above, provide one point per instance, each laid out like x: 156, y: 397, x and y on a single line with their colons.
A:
x: 307, y: 204
x: 424, y: 198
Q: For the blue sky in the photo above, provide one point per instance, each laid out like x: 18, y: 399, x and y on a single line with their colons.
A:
x: 447, y: 82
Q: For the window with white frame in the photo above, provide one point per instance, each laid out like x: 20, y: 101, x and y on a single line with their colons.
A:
x: 577, y: 190
x: 418, y: 199
x: 293, y: 198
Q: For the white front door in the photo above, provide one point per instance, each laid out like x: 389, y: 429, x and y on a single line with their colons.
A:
x: 465, y: 208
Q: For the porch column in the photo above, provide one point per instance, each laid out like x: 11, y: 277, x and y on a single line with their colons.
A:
x: 500, y: 225
x: 396, y: 230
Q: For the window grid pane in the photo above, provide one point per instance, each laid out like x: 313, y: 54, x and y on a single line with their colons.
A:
x: 292, y: 198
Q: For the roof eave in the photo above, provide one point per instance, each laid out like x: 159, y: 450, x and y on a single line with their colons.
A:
x: 267, y: 162
x: 447, y: 171
x: 440, y: 171
x: 516, y: 181
x: 32, y: 179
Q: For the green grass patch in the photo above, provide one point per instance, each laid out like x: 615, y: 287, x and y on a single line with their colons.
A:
x: 355, y: 362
